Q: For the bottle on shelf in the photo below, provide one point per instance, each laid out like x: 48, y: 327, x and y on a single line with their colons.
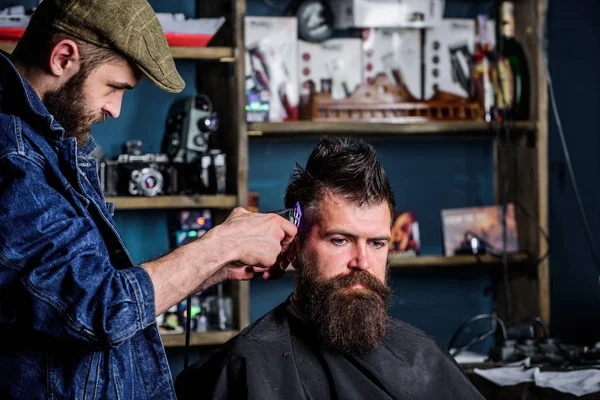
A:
x: 481, y: 70
x: 513, y: 51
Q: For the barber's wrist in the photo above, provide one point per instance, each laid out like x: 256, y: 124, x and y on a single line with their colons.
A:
x: 220, y: 242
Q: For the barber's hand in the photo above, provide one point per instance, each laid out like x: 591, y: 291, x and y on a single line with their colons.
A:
x: 255, y: 242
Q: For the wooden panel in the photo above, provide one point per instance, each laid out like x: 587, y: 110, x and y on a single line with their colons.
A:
x: 241, y: 298
x: 521, y: 167
x: 452, y: 261
x: 223, y: 54
x: 164, y: 202
x: 305, y: 128
x: 240, y: 102
x: 7, y: 46
x: 402, y: 262
x: 198, y: 338
x: 542, y: 145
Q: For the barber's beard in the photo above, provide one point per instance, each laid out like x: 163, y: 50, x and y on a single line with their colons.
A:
x: 67, y: 105
x: 349, y: 321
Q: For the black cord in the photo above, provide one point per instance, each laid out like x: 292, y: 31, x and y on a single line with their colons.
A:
x: 563, y: 141
x: 495, y: 319
x: 492, y: 250
x: 188, y: 322
x: 540, y: 322
x: 540, y: 229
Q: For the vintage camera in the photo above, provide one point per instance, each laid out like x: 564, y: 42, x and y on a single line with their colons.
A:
x: 190, y: 125
x: 206, y: 174
x: 137, y: 174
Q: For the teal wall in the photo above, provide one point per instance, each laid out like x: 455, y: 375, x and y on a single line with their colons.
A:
x: 427, y: 175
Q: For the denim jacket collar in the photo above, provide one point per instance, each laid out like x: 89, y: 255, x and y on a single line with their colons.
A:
x: 31, y: 102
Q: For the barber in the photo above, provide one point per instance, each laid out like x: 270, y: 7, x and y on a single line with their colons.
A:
x: 77, y: 317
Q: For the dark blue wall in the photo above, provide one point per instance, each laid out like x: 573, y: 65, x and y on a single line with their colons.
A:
x: 426, y: 176
x: 574, y: 47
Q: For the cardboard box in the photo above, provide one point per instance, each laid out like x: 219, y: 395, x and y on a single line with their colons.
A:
x: 485, y: 222
x: 392, y: 51
x: 335, y: 63
x: 271, y: 69
x: 405, y: 238
x: 448, y: 51
x: 386, y: 13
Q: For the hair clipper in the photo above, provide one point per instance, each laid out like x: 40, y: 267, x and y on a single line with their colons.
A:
x: 291, y: 214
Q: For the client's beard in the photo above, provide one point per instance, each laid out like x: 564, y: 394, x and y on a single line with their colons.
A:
x: 67, y: 105
x: 349, y: 321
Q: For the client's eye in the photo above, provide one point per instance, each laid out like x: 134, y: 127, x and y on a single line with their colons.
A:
x: 378, y: 244
x: 338, y: 241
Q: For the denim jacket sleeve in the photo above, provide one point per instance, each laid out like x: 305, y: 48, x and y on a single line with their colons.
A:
x: 53, y: 258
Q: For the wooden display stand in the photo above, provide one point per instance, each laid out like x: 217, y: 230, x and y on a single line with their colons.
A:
x: 384, y: 101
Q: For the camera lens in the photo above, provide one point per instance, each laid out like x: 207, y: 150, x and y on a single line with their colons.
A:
x: 150, y: 182
x: 209, y: 124
x: 147, y: 182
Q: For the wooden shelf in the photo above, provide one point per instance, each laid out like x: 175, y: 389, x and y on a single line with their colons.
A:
x: 453, y: 261
x: 314, y: 128
x: 407, y: 262
x: 7, y: 46
x: 164, y: 202
x: 223, y: 54
x: 198, y: 338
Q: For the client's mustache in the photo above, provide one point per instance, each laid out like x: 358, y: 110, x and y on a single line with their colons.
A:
x: 364, y: 278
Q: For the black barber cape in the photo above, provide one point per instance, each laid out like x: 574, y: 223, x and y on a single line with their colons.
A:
x: 279, y: 357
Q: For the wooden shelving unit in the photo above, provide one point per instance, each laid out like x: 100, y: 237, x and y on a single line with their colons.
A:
x: 462, y: 261
x: 222, y: 54
x: 198, y: 338
x: 370, y: 129
x: 7, y: 46
x: 167, y: 202
x: 399, y: 262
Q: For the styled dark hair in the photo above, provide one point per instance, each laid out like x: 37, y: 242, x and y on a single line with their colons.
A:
x: 343, y: 167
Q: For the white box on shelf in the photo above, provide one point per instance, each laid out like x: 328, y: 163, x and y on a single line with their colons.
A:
x: 386, y: 13
x: 271, y: 68
x: 334, y: 62
x: 448, y: 50
x: 393, y: 50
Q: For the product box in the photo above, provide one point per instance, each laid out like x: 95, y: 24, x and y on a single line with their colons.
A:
x: 271, y: 69
x: 405, y: 238
x: 396, y: 52
x: 386, y: 13
x: 332, y: 65
x: 485, y: 222
x: 449, y: 48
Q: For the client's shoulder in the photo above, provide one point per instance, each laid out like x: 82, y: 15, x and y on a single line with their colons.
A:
x: 403, y: 332
x: 263, y: 334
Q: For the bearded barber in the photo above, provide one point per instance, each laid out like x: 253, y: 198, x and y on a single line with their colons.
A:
x: 78, y: 318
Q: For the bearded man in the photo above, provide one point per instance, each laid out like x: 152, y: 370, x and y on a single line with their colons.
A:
x: 333, y: 338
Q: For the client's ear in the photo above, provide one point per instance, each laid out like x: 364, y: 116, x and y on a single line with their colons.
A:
x: 292, y: 252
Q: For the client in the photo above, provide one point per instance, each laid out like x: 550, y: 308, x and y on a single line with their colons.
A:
x: 333, y: 338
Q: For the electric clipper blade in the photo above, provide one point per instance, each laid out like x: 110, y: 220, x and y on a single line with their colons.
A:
x: 291, y: 214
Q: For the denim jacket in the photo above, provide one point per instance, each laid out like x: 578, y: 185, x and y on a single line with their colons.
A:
x: 77, y: 317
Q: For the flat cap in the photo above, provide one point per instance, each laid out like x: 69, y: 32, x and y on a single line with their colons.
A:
x: 128, y: 26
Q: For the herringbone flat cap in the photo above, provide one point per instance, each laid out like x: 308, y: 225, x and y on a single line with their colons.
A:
x: 129, y: 26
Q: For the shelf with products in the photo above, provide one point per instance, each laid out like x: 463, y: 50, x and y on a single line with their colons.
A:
x: 173, y: 202
x: 524, y: 156
x: 222, y: 54
x: 468, y: 261
x: 209, y: 338
x: 297, y: 129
